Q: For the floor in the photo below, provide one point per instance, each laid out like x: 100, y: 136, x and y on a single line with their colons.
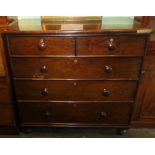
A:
x: 84, y: 133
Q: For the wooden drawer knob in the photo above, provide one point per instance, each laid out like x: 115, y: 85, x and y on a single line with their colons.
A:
x: 44, y: 92
x: 106, y: 92
x: 108, y: 69
x: 111, y: 45
x: 42, y: 45
x: 43, y: 69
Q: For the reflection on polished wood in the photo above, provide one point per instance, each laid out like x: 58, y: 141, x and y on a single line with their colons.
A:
x: 70, y: 18
x: 89, y: 26
x: 71, y: 26
x: 71, y: 22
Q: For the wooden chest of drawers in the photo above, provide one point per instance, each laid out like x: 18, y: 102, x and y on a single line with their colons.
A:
x: 75, y: 79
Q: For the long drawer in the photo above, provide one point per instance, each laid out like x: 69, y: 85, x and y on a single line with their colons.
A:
x: 42, y: 45
x: 92, y: 113
x: 76, y: 68
x: 111, y: 45
x: 76, y: 90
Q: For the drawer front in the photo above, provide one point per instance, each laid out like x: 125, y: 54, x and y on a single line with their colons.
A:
x: 76, y: 68
x: 101, y: 113
x: 42, y: 46
x: 76, y: 90
x: 111, y: 45
x: 6, y: 115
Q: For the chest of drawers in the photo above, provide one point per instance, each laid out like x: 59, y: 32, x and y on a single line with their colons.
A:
x: 75, y: 79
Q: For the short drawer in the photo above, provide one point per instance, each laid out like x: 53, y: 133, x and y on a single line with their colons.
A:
x: 6, y: 115
x: 76, y: 68
x: 111, y: 45
x: 42, y: 45
x: 90, y: 113
x: 76, y: 90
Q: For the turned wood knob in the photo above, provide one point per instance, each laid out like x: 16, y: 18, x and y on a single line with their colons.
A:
x: 106, y: 92
x: 111, y: 45
x: 42, y: 44
x: 44, y: 92
x: 103, y: 114
x: 43, y: 69
x: 108, y: 69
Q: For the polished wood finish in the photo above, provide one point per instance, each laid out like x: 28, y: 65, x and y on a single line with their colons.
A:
x: 98, y: 70
x: 23, y: 27
x: 86, y: 77
x: 84, y: 68
x: 42, y: 45
x: 68, y: 19
x: 111, y: 45
x: 74, y: 113
x: 148, y: 109
x: 144, y: 114
x: 85, y: 46
x: 71, y: 90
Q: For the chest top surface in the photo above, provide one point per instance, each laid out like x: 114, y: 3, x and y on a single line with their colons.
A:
x: 81, y: 27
